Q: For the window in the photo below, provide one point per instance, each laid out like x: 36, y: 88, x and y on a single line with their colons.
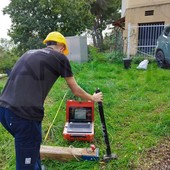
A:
x: 148, y: 34
x: 148, y: 13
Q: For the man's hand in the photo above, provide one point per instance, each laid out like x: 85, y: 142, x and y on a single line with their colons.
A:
x: 97, y: 97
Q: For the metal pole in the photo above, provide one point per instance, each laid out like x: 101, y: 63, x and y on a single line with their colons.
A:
x: 108, y: 155
x: 128, y: 41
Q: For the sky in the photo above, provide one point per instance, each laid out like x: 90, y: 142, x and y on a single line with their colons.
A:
x: 5, y: 21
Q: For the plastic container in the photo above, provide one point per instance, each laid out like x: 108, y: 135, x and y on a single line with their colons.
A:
x: 127, y: 63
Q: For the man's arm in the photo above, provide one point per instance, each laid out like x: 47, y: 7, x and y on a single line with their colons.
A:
x: 79, y: 92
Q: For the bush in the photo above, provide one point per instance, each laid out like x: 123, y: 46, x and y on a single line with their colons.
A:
x: 94, y: 55
x: 7, y: 61
x: 112, y: 57
x: 138, y: 59
x: 115, y: 57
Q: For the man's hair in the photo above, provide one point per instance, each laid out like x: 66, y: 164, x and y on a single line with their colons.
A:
x: 51, y: 43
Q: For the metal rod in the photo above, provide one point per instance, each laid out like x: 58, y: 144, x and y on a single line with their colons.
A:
x: 108, y: 155
x: 128, y: 41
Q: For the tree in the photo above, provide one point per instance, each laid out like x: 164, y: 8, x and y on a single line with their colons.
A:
x: 105, y: 12
x: 32, y: 20
x: 6, y: 44
x: 7, y: 55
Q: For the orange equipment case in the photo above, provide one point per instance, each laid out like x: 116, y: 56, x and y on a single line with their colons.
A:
x: 82, y: 113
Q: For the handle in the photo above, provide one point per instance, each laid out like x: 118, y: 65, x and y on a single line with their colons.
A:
x: 99, y: 103
x: 97, y: 90
x: 104, y: 128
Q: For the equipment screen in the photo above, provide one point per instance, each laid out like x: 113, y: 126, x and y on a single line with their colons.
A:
x: 80, y: 114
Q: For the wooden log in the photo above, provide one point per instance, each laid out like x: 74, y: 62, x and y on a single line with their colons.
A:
x: 68, y: 153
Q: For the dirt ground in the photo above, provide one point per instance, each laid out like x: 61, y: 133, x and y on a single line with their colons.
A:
x: 157, y: 158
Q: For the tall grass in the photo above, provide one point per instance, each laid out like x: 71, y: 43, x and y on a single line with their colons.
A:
x: 137, y: 112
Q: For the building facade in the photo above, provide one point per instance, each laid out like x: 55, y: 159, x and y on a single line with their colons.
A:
x: 144, y: 16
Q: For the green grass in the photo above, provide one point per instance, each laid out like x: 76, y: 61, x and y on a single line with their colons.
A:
x: 137, y: 113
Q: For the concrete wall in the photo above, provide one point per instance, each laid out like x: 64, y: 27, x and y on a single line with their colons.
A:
x: 137, y: 15
x: 142, y: 3
x: 77, y: 48
x: 124, y: 7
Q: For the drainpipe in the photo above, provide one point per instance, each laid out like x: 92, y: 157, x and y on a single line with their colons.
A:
x: 128, y: 40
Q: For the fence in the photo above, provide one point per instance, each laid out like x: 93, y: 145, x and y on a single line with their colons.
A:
x: 142, y: 39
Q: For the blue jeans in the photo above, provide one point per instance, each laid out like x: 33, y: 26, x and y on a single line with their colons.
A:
x: 28, y: 138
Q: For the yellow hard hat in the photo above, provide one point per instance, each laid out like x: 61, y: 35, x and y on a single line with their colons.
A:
x: 57, y: 37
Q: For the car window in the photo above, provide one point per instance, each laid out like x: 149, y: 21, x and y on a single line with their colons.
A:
x: 169, y: 35
x: 167, y: 31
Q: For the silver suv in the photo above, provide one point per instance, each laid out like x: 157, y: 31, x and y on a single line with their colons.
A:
x: 162, y: 53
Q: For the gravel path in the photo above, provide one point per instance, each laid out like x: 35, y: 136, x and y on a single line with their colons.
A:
x: 157, y: 158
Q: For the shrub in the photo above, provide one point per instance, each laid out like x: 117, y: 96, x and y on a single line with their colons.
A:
x: 112, y: 57
x: 115, y: 57
x: 7, y: 61
x: 137, y: 59
x: 94, y: 55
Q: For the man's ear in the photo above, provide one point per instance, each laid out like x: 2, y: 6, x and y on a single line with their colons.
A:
x: 62, y: 49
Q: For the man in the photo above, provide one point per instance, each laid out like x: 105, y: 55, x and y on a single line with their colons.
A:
x: 22, y: 100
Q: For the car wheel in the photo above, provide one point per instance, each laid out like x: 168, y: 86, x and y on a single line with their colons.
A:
x: 160, y: 58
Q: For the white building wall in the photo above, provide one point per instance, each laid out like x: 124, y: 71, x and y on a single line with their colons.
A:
x: 77, y: 48
x: 124, y: 7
